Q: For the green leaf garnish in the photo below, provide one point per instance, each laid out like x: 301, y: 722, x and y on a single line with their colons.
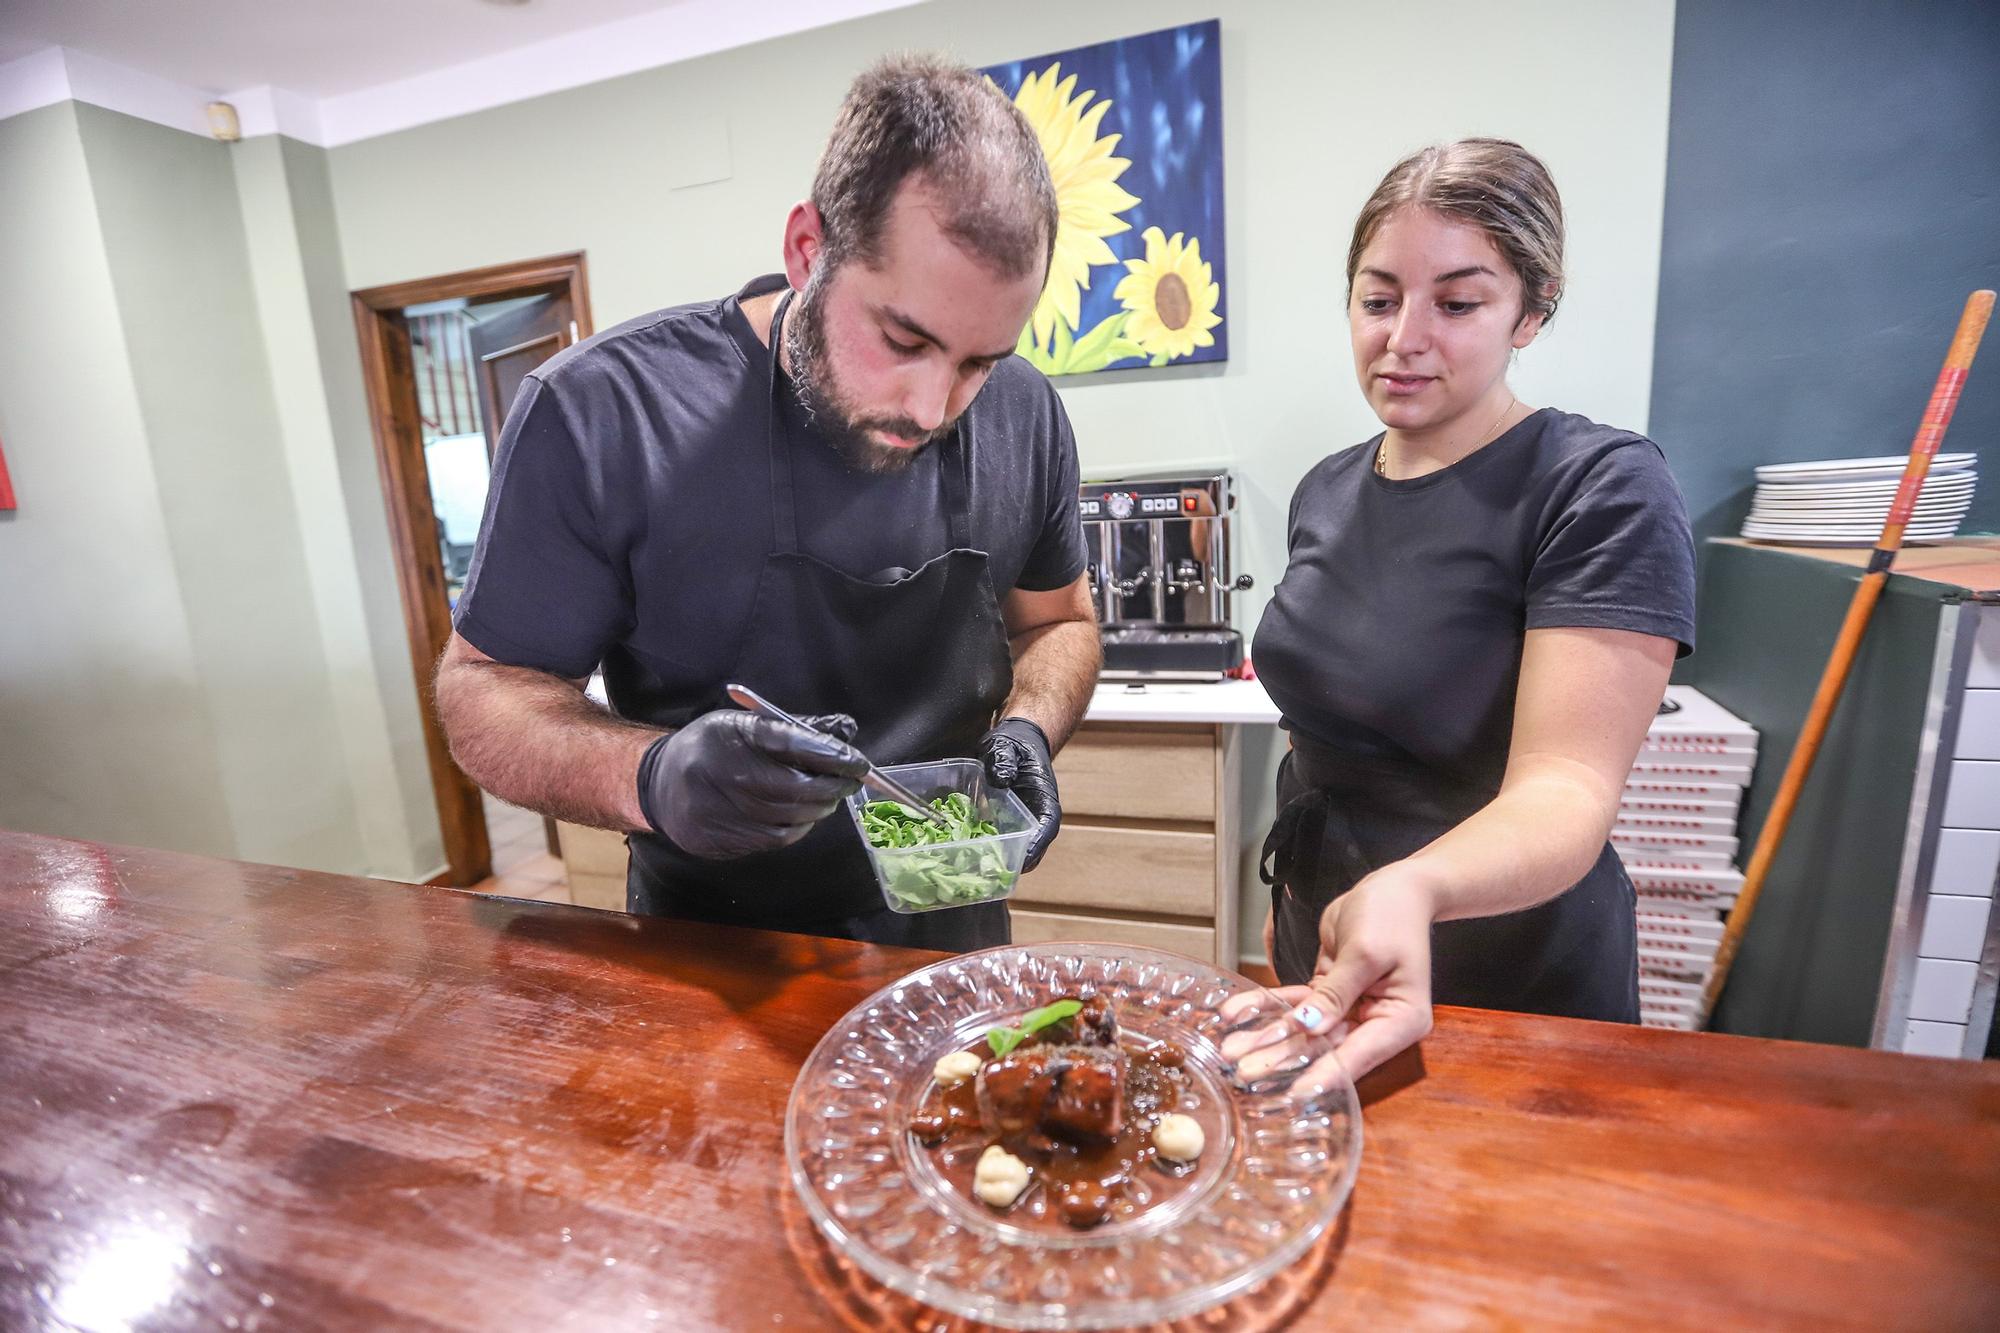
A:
x: 1003, y: 1040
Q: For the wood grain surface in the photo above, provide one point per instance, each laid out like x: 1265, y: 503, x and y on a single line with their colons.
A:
x: 240, y: 1097
x: 1158, y: 872
x: 1139, y: 770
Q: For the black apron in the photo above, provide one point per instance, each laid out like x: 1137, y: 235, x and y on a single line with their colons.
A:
x: 1343, y: 813
x: 921, y: 662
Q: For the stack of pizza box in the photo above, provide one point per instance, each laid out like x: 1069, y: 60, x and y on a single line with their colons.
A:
x: 1677, y: 834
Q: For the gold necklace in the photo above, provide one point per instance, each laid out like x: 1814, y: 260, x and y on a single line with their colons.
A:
x: 1382, y: 450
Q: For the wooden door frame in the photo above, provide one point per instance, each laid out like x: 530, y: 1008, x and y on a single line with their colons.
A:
x: 388, y: 372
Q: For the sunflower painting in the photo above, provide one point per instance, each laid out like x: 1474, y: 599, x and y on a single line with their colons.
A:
x: 1133, y: 133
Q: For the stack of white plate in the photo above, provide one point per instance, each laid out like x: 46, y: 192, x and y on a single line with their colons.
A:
x: 1845, y: 501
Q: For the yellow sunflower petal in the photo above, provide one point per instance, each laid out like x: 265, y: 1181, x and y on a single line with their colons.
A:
x: 1088, y: 198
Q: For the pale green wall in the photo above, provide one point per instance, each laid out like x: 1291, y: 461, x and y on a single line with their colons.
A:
x: 187, y: 656
x: 174, y: 237
x: 327, y: 290
x: 104, y: 726
x: 1320, y: 98
x: 308, y: 337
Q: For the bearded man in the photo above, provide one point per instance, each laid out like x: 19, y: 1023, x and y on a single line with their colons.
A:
x: 874, y: 525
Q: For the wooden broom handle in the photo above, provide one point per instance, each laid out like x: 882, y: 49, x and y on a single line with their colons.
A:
x: 1930, y: 434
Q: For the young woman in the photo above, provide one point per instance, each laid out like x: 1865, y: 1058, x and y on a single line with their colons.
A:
x: 1476, y: 626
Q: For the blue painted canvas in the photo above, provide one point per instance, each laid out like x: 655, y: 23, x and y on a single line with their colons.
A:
x: 1133, y: 133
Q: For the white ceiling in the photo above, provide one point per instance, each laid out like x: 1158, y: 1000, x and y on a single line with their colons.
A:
x: 314, y: 47
x: 334, y: 71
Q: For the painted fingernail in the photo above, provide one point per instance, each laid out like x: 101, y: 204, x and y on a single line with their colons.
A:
x: 1309, y: 1016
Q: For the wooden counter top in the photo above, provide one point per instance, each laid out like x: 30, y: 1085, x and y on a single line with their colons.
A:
x: 1969, y: 563
x: 241, y: 1097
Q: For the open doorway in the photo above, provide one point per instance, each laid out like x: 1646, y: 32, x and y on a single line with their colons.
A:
x: 442, y: 358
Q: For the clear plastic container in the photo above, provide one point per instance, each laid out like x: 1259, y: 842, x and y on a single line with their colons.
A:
x: 950, y: 874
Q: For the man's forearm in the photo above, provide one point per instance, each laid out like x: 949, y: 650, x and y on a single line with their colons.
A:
x: 539, y: 742
x: 1055, y: 669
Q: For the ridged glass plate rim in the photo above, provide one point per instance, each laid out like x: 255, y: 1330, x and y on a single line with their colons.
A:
x: 1086, y: 1311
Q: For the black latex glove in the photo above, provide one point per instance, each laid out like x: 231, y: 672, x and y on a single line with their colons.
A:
x: 731, y: 782
x: 1016, y: 755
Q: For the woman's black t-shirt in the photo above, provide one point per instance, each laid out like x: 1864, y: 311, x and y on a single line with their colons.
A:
x: 1398, y: 626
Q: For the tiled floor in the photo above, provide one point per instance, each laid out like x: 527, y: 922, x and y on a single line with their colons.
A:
x: 522, y: 866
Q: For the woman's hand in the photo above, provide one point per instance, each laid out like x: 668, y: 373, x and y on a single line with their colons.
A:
x: 1374, y: 966
x: 1371, y: 989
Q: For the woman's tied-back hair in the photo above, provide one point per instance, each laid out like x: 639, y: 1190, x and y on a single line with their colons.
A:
x: 921, y: 115
x: 1497, y: 186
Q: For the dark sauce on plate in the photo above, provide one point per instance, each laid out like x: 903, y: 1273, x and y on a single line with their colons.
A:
x: 1070, y: 1184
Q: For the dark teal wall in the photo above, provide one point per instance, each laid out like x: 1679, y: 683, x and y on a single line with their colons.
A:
x: 1812, y: 957
x: 1833, y: 193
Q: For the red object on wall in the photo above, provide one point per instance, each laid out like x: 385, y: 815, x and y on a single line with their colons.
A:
x: 6, y: 486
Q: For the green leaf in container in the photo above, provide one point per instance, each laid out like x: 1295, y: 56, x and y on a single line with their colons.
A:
x: 947, y: 878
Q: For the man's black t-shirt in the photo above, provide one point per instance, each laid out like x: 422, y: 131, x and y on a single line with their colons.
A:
x: 1398, y: 625
x: 629, y: 513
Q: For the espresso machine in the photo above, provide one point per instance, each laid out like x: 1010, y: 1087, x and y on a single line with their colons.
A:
x: 1160, y: 575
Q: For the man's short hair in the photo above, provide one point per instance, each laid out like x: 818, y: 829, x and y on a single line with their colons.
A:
x: 921, y: 115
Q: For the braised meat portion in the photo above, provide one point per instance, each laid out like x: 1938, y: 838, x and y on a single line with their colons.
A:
x: 1056, y: 1130
x: 1064, y: 1084
x: 1074, y: 1094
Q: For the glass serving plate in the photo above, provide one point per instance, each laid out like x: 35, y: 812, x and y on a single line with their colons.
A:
x: 1266, y: 1186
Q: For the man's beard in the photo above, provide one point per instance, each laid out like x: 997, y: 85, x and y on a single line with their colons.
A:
x: 826, y: 405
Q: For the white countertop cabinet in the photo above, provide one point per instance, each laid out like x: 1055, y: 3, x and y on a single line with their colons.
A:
x: 1151, y: 843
